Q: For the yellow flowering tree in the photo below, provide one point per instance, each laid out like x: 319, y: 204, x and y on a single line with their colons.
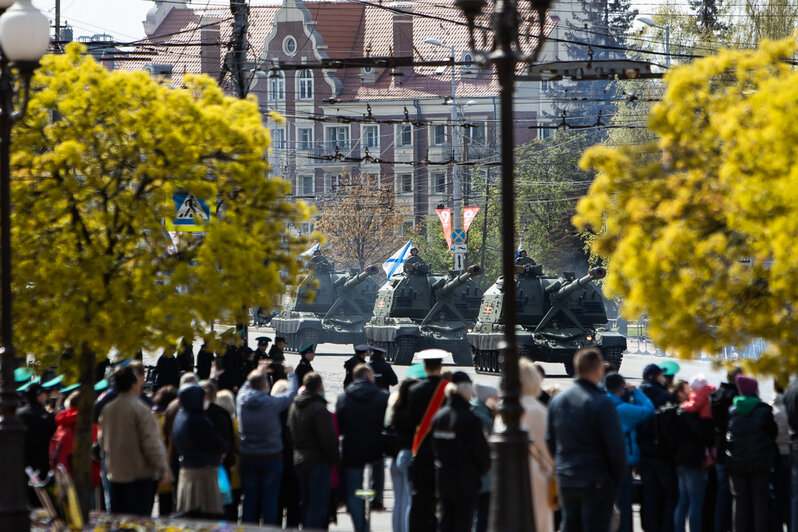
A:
x: 702, y: 239
x: 97, y: 166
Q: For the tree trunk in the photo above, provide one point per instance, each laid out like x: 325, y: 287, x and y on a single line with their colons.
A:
x: 81, y: 458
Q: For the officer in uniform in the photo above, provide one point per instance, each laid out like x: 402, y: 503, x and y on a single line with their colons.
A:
x: 361, y: 350
x: 260, y: 353
x: 384, y: 375
x: 276, y: 352
x: 308, y: 353
x: 424, y: 400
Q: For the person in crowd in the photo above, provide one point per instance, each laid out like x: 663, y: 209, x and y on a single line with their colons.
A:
x: 483, y: 405
x: 680, y: 392
x: 315, y: 450
x: 261, y: 444
x: 226, y: 400
x: 163, y: 398
x: 100, y: 369
x: 461, y: 454
x: 288, y: 501
x: 541, y: 463
x: 276, y: 352
x: 131, y: 440
x: 307, y: 354
x: 584, y: 434
x: 670, y: 368
x: 205, y: 359
x: 384, y: 375
x: 657, y: 471
x: 791, y: 407
x: 544, y: 395
x: 200, y: 448
x: 223, y: 423
x: 185, y: 357
x: 62, y: 443
x: 696, y: 437
x: 634, y: 409
x: 751, y: 451
x: 40, y: 425
x: 232, y: 362
x: 261, y: 352
x: 361, y: 350
x: 361, y: 413
x: 167, y: 371
x: 424, y: 400
x: 720, y: 403
x: 400, y: 463
x: 781, y: 472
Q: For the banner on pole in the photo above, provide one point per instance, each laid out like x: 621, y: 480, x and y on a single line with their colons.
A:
x: 469, y: 213
x: 445, y: 216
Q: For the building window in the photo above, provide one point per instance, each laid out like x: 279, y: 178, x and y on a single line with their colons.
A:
x: 475, y: 133
x: 405, y: 183
x: 277, y: 86
x: 304, y: 137
x: 305, y: 85
x: 306, y: 185
x: 439, y: 183
x: 371, y: 137
x: 337, y: 137
x: 278, y: 136
x: 437, y: 135
x: 331, y: 182
x: 289, y: 45
x: 404, y: 135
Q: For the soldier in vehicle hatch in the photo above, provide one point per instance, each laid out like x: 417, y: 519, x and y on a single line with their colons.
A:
x: 523, y: 259
x: 412, y: 260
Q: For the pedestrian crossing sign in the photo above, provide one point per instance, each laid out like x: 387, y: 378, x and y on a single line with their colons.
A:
x: 191, y: 213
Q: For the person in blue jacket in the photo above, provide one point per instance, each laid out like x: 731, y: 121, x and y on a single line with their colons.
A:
x: 634, y: 409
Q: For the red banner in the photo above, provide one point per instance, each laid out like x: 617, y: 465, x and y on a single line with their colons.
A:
x: 469, y: 213
x: 445, y: 216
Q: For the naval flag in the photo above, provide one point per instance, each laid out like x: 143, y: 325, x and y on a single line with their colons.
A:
x: 310, y: 252
x: 397, y: 259
x: 518, y: 251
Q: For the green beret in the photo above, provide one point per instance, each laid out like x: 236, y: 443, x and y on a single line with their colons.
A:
x: 308, y: 349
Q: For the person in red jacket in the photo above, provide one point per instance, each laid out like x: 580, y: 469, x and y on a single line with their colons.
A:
x: 62, y: 442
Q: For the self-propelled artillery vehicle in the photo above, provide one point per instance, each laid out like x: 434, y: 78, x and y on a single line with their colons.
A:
x: 418, y: 310
x: 555, y: 317
x: 330, y: 306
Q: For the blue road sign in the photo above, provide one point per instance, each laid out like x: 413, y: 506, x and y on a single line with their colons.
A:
x: 458, y: 236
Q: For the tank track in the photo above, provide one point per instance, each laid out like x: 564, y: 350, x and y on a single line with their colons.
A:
x: 404, y: 349
x: 614, y: 356
x: 487, y: 362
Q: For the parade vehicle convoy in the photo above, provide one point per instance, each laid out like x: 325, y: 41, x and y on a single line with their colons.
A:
x: 417, y: 310
x: 330, y: 307
x: 555, y: 317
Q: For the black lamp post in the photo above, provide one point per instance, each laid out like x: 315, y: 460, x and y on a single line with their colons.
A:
x: 24, y: 39
x: 511, y: 500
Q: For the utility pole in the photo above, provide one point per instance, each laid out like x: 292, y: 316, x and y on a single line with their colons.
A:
x: 57, y: 24
x: 236, y: 57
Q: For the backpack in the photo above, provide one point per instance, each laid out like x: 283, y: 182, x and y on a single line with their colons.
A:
x: 667, y: 428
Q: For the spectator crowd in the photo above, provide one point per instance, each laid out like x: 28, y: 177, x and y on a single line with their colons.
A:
x: 243, y: 436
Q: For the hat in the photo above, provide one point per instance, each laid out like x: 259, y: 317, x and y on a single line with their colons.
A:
x: 227, y: 333
x: 22, y: 374
x: 747, y: 385
x: 378, y: 349
x: 28, y: 384
x: 698, y: 381
x: 651, y: 371
x: 416, y: 371
x: 432, y: 354
x: 52, y: 383
x: 484, y: 391
x: 263, y: 340
x: 34, y: 389
x: 460, y: 376
x: 308, y: 349
x: 70, y: 388
x: 361, y: 348
x: 669, y: 368
x: 121, y: 363
x: 101, y: 385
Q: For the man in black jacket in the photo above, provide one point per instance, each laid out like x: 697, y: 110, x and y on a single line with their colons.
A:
x: 720, y: 402
x: 424, y: 400
x: 361, y: 412
x: 167, y: 371
x: 39, y: 428
x: 585, y: 437
x: 361, y: 350
x: 276, y: 352
x: 204, y: 362
x: 657, y: 470
x: 185, y: 357
x: 384, y: 376
x: 462, y: 456
x: 307, y: 354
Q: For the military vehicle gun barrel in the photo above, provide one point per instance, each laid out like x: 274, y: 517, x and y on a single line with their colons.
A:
x: 359, y: 278
x: 561, y: 292
x: 448, y: 287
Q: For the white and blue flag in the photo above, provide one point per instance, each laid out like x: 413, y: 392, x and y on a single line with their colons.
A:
x: 518, y: 251
x: 391, y: 266
x: 310, y: 252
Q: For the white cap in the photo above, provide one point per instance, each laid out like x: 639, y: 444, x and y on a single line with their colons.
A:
x: 432, y: 354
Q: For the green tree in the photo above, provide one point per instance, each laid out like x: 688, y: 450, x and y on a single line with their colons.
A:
x: 701, y: 238
x: 95, y: 165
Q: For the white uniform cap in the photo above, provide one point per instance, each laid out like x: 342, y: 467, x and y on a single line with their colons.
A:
x: 432, y: 354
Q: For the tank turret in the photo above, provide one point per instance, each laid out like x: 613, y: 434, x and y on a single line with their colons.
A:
x: 555, y: 317
x: 448, y: 287
x: 359, y: 278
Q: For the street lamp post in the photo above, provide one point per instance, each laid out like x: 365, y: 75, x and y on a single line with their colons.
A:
x: 511, y: 509
x: 24, y: 39
x: 649, y: 22
x: 457, y: 194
